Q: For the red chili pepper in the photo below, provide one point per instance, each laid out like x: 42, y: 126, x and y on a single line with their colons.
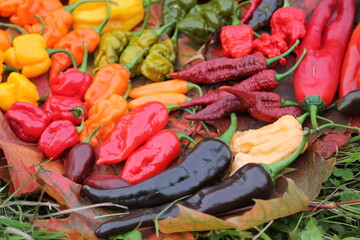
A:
x: 288, y: 23
x: 327, y: 34
x: 270, y: 46
x: 350, y: 71
x: 69, y: 108
x: 133, y: 129
x: 57, y: 137
x: 73, y: 82
x: 27, y: 121
x: 250, y: 11
x: 105, y: 181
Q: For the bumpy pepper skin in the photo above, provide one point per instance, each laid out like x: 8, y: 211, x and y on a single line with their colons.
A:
x: 17, y: 88
x: 57, y: 137
x: 270, y: 46
x: 349, y: 104
x: 160, y: 60
x: 152, y: 158
x: 27, y: 121
x: 204, y: 19
x: 236, y: 41
x: 133, y: 129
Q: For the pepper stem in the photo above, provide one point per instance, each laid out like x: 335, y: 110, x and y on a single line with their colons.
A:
x: 175, y: 35
x: 286, y: 3
x: 197, y: 87
x: 288, y: 103
x: 126, y: 94
x: 18, y: 28
x: 303, y: 117
x: 83, y: 66
x: 81, y: 127
x: 161, y: 30
x: 180, y: 136
x: 235, y: 15
x: 281, y: 76
x: 313, y: 109
x: 146, y: 18
x: 51, y: 51
x: 87, y: 140
x: 228, y: 134
x: 271, y: 61
x: 78, y: 111
x: 72, y: 7
x: 337, y: 125
x: 99, y: 28
x: 132, y: 63
x: 10, y: 69
x: 43, y: 25
x: 275, y: 168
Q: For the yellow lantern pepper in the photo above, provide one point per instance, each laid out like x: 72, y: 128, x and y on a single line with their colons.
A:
x: 17, y: 88
x: 124, y: 16
x: 2, y: 58
x: 268, y: 144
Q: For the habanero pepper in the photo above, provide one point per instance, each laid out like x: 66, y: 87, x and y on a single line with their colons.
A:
x: 3, y: 67
x: 224, y: 69
x: 5, y: 40
x: 252, y: 181
x: 164, y: 98
x: 27, y: 121
x: 270, y: 46
x: 350, y: 70
x: 205, y: 164
x: 349, y: 104
x: 327, y: 34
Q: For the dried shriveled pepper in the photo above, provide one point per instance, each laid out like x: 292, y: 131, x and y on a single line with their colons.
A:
x: 164, y: 98
x: 27, y: 121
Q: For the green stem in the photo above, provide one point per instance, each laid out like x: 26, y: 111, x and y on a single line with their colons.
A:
x: 51, y: 51
x: 197, y: 87
x: 286, y: 3
x: 161, y: 30
x: 146, y: 18
x: 126, y: 94
x: 271, y: 61
x: 235, y: 15
x: 175, y: 36
x: 81, y: 127
x: 18, y: 28
x: 10, y: 69
x: 43, y: 26
x: 228, y: 134
x: 99, y: 28
x: 281, y: 76
x: 325, y: 119
x: 83, y: 66
x: 72, y: 7
x: 132, y: 63
x: 303, y: 117
x: 288, y: 103
x: 335, y: 125
x: 313, y: 109
x: 180, y: 136
x: 87, y: 140
x: 78, y: 111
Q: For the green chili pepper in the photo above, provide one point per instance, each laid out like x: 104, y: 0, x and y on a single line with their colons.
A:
x: 204, y: 19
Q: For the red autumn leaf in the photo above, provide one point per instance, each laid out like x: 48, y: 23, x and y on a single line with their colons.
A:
x: 328, y: 144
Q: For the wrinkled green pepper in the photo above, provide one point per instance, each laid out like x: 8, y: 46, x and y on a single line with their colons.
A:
x: 262, y: 14
x: 349, y: 104
x: 160, y: 60
x: 173, y: 10
x: 204, y: 19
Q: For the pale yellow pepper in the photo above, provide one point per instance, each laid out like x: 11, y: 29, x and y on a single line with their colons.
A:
x: 123, y: 16
x: 269, y: 144
x: 17, y: 88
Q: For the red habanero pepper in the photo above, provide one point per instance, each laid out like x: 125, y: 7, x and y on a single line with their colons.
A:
x: 57, y: 137
x: 327, y: 35
x: 27, y: 121
x: 270, y: 46
x: 350, y: 70
x: 288, y: 23
x: 153, y: 157
x: 132, y: 130
x: 254, y: 4
x: 73, y: 82
x: 224, y: 69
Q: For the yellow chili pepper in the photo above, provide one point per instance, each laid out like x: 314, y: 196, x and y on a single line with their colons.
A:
x: 17, y: 88
x: 124, y: 16
x: 2, y: 58
x: 268, y: 144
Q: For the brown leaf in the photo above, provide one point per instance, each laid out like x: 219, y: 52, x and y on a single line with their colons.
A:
x: 328, y: 144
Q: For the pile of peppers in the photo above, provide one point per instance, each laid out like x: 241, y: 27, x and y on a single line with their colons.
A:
x: 97, y: 117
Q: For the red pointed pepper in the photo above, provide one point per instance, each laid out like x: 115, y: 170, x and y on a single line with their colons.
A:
x: 27, y: 121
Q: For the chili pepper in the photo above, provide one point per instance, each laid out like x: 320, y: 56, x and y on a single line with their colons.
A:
x: 206, y: 163
x: 164, y: 98
x: 173, y: 10
x: 69, y: 108
x: 350, y: 70
x: 153, y: 157
x: 17, y: 88
x: 252, y: 181
x: 317, y: 77
x: 250, y: 11
x: 27, y: 121
x: 125, y: 15
x: 80, y: 160
x: 57, y: 137
x: 224, y: 69
x: 73, y: 42
x: 137, y: 44
x: 160, y: 60
x: 105, y: 181
x: 349, y: 104
x: 106, y: 112
x: 3, y: 67
x: 270, y: 46
x: 170, y: 86
x: 262, y: 14
x: 204, y: 19
x: 288, y: 23
x: 5, y: 40
x: 7, y: 8
x: 74, y: 82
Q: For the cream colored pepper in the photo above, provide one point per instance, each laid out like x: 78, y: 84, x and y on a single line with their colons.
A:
x: 269, y: 144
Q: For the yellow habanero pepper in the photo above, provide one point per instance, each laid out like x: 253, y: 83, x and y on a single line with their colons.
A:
x: 17, y: 88
x: 268, y: 144
x: 124, y: 16
x: 2, y: 58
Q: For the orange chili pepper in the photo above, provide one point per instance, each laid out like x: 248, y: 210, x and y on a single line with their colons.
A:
x: 170, y: 86
x: 9, y: 7
x: 5, y: 40
x: 164, y: 98
x: 106, y: 113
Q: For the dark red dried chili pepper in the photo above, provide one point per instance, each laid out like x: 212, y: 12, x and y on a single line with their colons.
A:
x: 27, y: 121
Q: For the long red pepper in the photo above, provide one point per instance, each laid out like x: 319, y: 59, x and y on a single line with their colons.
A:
x: 327, y: 34
x: 250, y: 11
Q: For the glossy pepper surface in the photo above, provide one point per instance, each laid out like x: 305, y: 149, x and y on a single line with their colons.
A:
x: 262, y: 14
x: 350, y: 70
x: 164, y: 98
x: 133, y: 129
x: 105, y: 181
x: 5, y: 41
x: 27, y: 121
x: 349, y: 104
x: 17, y: 88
